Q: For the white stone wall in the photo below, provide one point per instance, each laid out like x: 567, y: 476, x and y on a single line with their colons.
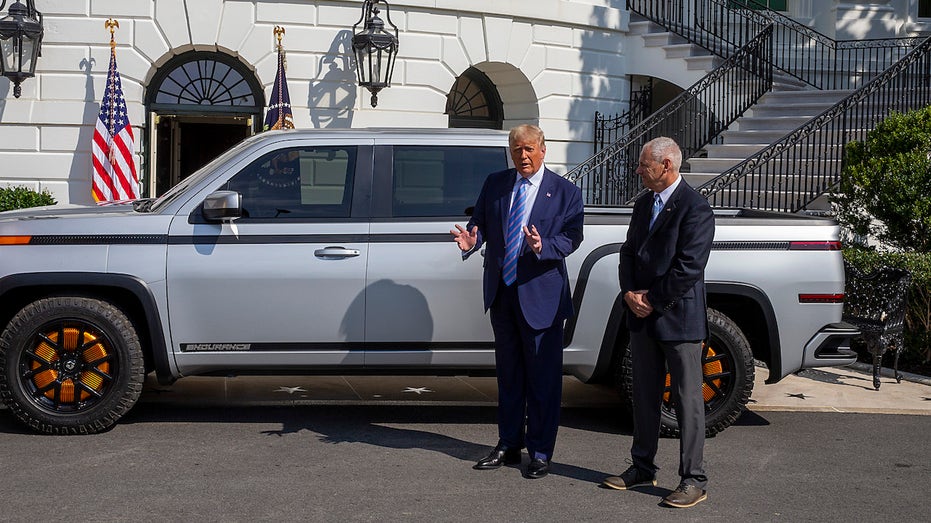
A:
x: 555, y: 62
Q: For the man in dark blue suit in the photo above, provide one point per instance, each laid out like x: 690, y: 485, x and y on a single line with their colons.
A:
x: 662, y: 277
x: 529, y: 219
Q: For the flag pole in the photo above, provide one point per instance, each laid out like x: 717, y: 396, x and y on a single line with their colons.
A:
x: 112, y: 24
x: 279, y: 34
x: 279, y: 115
x: 113, y: 145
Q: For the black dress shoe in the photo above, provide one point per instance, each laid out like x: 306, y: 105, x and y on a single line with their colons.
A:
x: 538, y: 468
x: 500, y: 455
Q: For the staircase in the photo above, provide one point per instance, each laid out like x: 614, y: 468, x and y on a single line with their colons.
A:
x: 777, y: 114
x: 783, y: 150
x: 788, y: 106
x: 687, y: 61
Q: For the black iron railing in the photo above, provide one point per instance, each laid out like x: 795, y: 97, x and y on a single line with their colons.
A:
x: 691, y: 19
x: 609, y: 128
x: 721, y: 26
x: 694, y: 118
x: 806, y: 54
x: 796, y: 170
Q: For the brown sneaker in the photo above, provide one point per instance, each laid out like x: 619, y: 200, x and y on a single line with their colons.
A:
x: 685, y: 496
x: 630, y: 478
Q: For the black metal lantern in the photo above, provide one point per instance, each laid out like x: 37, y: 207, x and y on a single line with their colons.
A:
x: 20, y: 42
x: 375, y: 49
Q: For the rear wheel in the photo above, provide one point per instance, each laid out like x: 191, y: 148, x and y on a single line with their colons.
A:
x: 70, y: 365
x: 728, y: 374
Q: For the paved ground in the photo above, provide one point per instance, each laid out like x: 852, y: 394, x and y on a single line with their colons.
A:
x: 401, y: 448
x: 842, y: 389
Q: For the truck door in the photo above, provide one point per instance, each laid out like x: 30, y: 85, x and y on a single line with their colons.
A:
x: 283, y: 286
x: 423, y: 302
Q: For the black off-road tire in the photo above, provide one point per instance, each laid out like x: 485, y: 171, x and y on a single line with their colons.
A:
x: 728, y: 378
x: 70, y: 365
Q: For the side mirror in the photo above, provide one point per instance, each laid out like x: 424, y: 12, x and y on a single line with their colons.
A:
x: 223, y: 205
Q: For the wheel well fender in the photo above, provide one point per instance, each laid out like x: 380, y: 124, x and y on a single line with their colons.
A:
x: 752, y: 311
x: 128, y: 292
x: 745, y: 305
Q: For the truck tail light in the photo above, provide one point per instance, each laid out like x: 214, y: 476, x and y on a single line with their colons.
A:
x: 821, y: 298
x: 15, y: 240
x: 815, y: 246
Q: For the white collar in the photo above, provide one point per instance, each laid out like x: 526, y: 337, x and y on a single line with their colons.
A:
x: 536, y: 179
x: 667, y: 192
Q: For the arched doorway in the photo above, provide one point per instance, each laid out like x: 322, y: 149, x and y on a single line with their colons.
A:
x: 474, y: 102
x: 199, y: 105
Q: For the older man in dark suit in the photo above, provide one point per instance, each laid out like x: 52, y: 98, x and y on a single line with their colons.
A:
x: 662, y: 270
x: 529, y: 219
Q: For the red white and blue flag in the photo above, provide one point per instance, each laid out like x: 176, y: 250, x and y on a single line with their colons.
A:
x: 279, y: 108
x: 114, y: 160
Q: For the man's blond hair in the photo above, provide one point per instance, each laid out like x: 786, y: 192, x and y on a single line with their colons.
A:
x: 527, y: 132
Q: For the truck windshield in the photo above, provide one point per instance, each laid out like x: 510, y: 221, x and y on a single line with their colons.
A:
x: 193, y: 179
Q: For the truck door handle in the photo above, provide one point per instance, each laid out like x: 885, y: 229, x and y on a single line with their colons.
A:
x: 336, y: 252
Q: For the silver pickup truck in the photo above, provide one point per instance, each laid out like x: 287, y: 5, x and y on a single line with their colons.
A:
x: 319, y: 251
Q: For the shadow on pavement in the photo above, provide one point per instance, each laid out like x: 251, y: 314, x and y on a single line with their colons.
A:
x: 369, y: 424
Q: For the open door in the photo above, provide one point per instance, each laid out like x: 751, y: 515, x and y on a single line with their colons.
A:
x: 182, y: 144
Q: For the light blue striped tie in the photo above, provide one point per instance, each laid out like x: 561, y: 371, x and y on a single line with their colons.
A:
x: 657, y: 207
x: 515, y: 236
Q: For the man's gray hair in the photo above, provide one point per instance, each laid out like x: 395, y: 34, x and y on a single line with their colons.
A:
x: 665, y: 147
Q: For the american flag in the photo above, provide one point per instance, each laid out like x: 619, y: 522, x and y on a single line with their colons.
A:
x: 114, y: 163
x: 279, y: 109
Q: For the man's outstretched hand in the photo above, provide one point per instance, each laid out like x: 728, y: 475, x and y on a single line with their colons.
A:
x: 465, y: 239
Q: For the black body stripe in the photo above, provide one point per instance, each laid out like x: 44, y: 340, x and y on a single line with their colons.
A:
x: 253, y: 239
x: 100, y: 239
x: 210, y: 347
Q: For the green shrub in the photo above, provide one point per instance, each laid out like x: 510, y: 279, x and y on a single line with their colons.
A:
x: 886, y: 181
x: 917, y: 349
x: 20, y: 198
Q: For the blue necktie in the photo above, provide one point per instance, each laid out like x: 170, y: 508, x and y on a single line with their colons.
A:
x: 657, y: 207
x: 514, y: 233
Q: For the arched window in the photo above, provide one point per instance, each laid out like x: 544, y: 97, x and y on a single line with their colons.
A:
x: 474, y: 102
x: 205, y: 82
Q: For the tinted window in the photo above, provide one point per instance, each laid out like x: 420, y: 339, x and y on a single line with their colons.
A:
x: 441, y: 181
x: 298, y: 183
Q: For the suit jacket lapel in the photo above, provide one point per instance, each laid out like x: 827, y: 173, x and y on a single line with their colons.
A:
x: 668, y: 209
x: 544, y: 193
x: 504, y: 201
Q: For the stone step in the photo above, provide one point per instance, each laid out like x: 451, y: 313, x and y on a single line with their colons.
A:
x: 642, y: 27
x: 684, y: 50
x: 697, y: 179
x: 744, y: 150
x: 719, y: 165
x: 829, y: 97
x: 756, y: 136
x: 702, y: 62
x: 769, y: 108
x: 770, y: 201
x: 769, y: 123
x: 662, y: 39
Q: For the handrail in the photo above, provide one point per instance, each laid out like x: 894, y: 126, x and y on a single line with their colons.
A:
x: 811, y: 56
x: 693, y: 119
x: 720, y: 26
x: 791, y: 173
x: 609, y: 128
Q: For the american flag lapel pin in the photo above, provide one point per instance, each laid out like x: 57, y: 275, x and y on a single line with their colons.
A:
x: 549, y: 195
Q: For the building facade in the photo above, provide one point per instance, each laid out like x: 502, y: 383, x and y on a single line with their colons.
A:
x: 197, y: 74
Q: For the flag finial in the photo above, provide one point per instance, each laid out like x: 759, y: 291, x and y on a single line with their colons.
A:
x: 112, y: 24
x: 279, y: 33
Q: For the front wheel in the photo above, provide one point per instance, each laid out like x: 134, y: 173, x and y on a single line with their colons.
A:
x: 728, y: 374
x: 70, y: 365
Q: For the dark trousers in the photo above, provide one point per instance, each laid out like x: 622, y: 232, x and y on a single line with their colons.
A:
x: 649, y: 358
x: 529, y: 371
